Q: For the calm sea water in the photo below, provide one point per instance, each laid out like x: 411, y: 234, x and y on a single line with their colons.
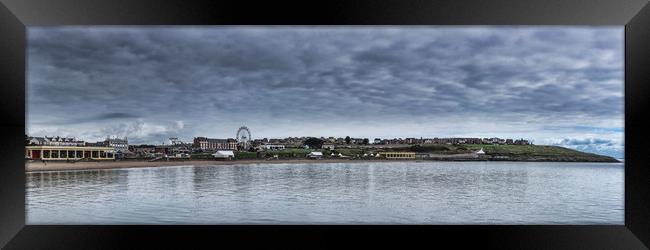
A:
x: 347, y: 193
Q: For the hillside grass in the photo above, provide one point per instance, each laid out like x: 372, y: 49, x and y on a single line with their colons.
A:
x: 544, y: 152
x: 496, y: 152
x: 512, y: 152
x: 539, y: 150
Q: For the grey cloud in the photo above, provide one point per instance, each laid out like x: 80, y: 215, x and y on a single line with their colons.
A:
x: 586, y: 141
x: 115, y: 115
x: 595, y: 145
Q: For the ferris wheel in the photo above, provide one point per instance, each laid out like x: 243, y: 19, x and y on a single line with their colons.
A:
x: 244, y: 137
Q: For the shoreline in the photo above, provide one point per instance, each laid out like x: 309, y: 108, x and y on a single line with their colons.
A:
x: 38, y: 166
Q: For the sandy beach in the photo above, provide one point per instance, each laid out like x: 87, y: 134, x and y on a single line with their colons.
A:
x: 36, y: 166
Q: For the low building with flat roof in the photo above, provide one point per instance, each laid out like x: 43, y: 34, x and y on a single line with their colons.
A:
x: 398, y: 155
x: 315, y: 155
x: 69, y: 153
x: 225, y: 154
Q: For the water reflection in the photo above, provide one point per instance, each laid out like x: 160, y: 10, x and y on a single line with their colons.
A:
x: 395, y: 192
x: 57, y: 179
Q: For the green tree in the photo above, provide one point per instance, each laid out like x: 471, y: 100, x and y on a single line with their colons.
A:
x: 366, y: 141
x: 347, y: 140
x: 314, y: 142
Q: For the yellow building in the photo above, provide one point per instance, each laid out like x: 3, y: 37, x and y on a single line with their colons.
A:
x: 398, y: 155
x: 69, y: 153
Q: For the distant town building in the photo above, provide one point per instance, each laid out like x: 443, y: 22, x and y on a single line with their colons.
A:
x: 205, y: 143
x: 273, y: 146
x: 494, y: 140
x: 359, y: 141
x: 181, y: 149
x: 142, y: 150
x: 35, y: 140
x: 164, y: 150
x: 521, y: 142
x: 121, y: 145
x: 54, y: 141
x: 329, y: 146
x: 175, y: 141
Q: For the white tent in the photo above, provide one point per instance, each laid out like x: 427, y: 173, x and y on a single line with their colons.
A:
x: 481, y: 152
x: 224, y: 154
x: 315, y: 154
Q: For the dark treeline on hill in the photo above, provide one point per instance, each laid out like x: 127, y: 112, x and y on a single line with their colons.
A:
x: 313, y: 142
x: 436, y: 149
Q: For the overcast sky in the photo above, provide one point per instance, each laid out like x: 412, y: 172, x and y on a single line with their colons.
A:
x: 553, y: 85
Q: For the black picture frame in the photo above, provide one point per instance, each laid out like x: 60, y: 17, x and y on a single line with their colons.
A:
x: 15, y: 15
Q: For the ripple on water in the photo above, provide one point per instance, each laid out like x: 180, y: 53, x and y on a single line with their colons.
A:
x: 315, y: 193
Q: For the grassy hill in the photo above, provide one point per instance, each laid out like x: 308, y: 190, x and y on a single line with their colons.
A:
x: 492, y: 152
x: 514, y: 152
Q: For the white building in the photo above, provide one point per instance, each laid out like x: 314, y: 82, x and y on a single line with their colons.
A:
x: 315, y: 154
x: 273, y: 146
x: 224, y: 154
x: 55, y: 141
x: 36, y: 141
x: 175, y: 141
x: 120, y: 145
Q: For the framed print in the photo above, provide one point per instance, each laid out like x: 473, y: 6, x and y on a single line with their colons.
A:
x: 519, y: 125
